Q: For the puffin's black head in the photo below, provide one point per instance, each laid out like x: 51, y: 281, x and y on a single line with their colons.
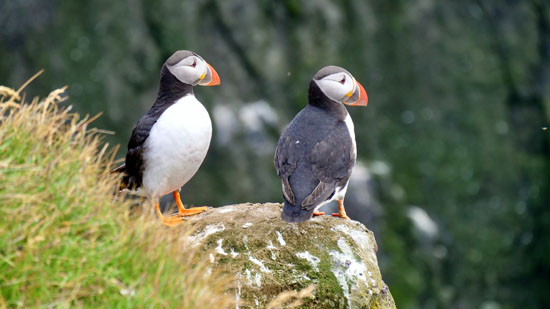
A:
x: 190, y: 68
x: 338, y: 85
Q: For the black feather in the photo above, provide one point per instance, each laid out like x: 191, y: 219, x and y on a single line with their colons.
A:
x: 314, y: 156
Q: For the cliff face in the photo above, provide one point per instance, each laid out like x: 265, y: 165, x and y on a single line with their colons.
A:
x: 268, y: 256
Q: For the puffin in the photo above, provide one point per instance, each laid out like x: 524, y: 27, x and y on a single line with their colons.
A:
x: 316, y: 152
x: 169, y: 143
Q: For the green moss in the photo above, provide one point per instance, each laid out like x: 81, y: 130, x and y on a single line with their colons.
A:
x: 328, y: 291
x: 286, y: 271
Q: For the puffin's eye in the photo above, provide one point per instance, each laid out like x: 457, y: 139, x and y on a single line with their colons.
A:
x: 343, y: 80
x: 194, y: 63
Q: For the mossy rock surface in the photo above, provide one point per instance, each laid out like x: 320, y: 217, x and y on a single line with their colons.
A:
x: 268, y: 256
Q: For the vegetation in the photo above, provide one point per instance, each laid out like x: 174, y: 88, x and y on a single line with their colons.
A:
x: 459, y: 96
x: 65, y: 240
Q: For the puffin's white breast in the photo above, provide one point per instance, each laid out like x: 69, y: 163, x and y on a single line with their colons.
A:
x: 176, y: 146
x: 341, y: 191
x: 351, y: 129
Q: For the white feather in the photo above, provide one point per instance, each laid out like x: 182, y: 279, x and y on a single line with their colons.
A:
x: 351, y: 129
x: 176, y: 146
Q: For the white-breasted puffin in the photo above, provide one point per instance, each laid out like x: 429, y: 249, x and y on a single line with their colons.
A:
x: 316, y: 152
x: 170, y: 142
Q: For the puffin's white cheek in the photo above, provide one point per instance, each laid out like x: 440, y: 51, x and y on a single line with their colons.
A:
x: 332, y: 89
x: 185, y: 74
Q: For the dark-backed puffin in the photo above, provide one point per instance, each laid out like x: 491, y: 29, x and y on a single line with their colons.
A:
x: 316, y: 152
x: 170, y: 142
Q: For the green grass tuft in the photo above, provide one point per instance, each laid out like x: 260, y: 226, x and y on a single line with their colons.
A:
x: 65, y: 240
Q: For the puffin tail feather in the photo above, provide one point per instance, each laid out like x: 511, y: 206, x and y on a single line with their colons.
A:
x: 295, y: 214
x: 124, y: 182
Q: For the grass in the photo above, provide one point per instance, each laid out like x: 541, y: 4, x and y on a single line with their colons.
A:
x: 65, y: 240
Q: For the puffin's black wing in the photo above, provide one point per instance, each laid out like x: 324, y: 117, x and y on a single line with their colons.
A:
x: 314, y: 156
x: 134, y: 164
x: 133, y: 167
x: 287, y: 155
x: 332, y: 160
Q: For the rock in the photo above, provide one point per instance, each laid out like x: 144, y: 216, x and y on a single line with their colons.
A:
x: 268, y: 256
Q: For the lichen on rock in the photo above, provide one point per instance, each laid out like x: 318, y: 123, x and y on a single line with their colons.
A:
x: 268, y: 256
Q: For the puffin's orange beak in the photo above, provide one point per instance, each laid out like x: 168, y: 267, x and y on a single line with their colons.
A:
x: 362, y: 94
x: 215, y: 78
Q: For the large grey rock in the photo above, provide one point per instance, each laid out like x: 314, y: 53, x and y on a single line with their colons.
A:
x: 268, y: 256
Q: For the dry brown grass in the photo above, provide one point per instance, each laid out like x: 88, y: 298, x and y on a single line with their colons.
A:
x: 291, y: 298
x: 65, y: 240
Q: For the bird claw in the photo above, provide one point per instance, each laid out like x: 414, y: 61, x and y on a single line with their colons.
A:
x: 343, y: 216
x: 181, y: 215
x: 173, y: 220
x: 192, y: 211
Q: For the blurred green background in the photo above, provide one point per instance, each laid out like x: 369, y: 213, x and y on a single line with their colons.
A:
x: 454, y: 154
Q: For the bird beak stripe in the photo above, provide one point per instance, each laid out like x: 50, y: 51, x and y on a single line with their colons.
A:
x: 202, y: 76
x: 349, y: 94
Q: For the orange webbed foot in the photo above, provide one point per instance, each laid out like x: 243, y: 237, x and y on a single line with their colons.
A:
x: 186, y: 212
x: 318, y: 213
x: 341, y: 211
x: 344, y: 216
x: 173, y: 220
x: 182, y: 211
x: 169, y: 221
x: 179, y: 217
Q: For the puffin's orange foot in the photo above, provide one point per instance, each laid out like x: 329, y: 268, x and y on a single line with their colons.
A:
x: 343, y: 216
x: 186, y: 212
x: 182, y: 211
x: 180, y: 216
x: 172, y: 221
x: 341, y: 211
x: 318, y: 213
